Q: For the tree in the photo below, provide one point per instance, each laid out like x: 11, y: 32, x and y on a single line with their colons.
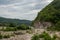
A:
x: 35, y: 37
x: 11, y: 25
x: 23, y: 27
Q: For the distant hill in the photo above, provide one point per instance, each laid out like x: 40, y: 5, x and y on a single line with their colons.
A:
x: 17, y: 21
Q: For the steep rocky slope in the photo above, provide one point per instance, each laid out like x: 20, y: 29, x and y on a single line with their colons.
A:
x: 48, y: 15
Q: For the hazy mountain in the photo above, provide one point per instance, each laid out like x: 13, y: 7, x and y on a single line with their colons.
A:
x: 17, y: 21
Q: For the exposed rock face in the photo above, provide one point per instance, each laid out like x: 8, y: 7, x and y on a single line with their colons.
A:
x: 42, y: 24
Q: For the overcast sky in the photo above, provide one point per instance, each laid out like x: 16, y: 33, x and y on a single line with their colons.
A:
x: 22, y: 9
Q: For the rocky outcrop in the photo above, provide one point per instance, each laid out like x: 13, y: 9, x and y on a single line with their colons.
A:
x: 42, y: 24
x: 48, y: 15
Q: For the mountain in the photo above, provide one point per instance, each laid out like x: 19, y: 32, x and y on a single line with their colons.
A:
x: 17, y: 21
x: 50, y: 15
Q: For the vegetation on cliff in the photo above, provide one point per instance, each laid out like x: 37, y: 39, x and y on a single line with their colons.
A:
x: 50, y: 13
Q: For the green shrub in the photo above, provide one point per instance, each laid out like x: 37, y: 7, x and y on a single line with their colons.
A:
x: 11, y: 25
x: 54, y: 37
x: 29, y: 31
x: 55, y: 27
x: 6, y: 36
x: 45, y: 36
x: 10, y: 29
x: 35, y: 37
x: 23, y: 27
x: 1, y: 36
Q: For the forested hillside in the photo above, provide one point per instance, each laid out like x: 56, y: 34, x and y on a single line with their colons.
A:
x: 51, y: 13
x: 14, y: 21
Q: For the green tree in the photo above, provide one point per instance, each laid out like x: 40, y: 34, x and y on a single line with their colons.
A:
x: 23, y: 27
x: 35, y: 37
x: 11, y: 25
x: 45, y: 35
x: 1, y: 36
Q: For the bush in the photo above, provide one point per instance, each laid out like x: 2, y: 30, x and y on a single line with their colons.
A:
x: 54, y: 37
x: 1, y: 36
x: 44, y: 35
x: 29, y: 31
x: 10, y: 29
x: 23, y: 27
x: 6, y: 36
x: 11, y: 25
x: 55, y: 27
x: 35, y: 37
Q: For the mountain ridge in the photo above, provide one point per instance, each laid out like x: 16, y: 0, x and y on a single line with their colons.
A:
x: 17, y: 21
x: 51, y: 13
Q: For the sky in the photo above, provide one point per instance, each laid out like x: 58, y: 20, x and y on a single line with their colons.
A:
x: 22, y: 9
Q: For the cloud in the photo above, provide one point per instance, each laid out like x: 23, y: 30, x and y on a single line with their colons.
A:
x: 22, y: 9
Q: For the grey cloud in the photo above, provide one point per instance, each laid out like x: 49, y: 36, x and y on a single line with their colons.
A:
x: 5, y: 2
x: 21, y: 9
